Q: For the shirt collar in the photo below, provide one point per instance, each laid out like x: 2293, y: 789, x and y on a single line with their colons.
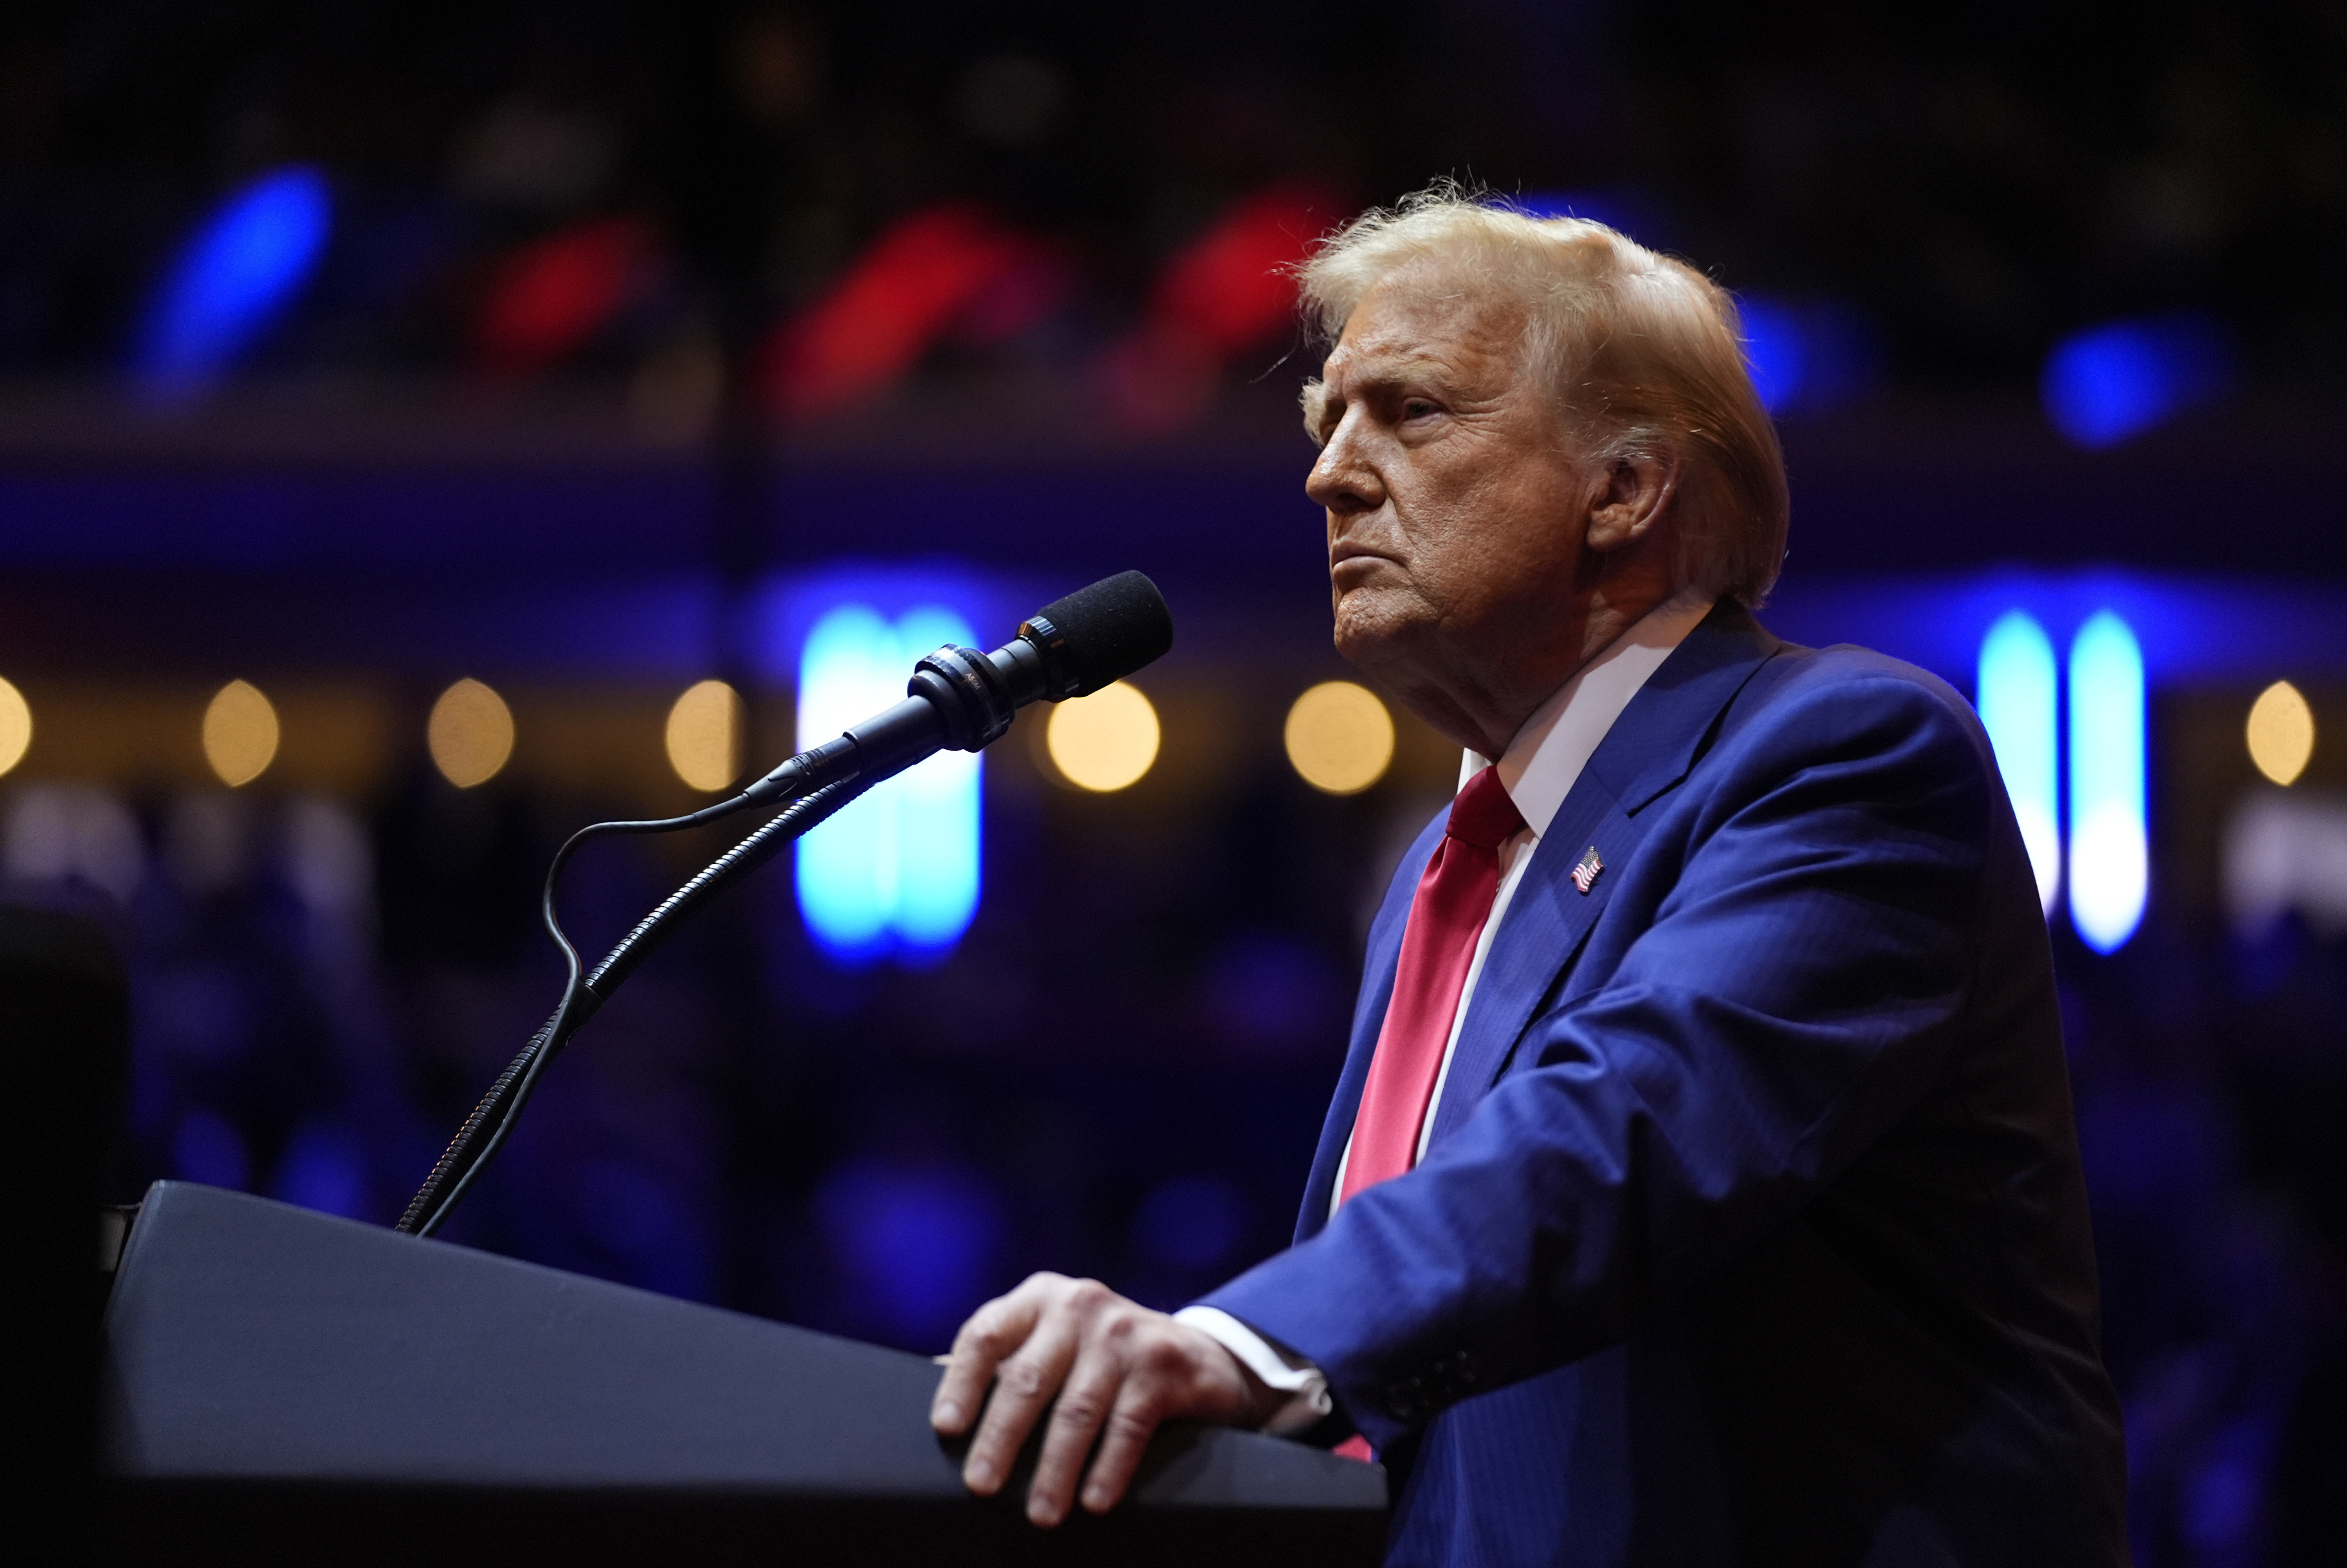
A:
x: 1544, y: 760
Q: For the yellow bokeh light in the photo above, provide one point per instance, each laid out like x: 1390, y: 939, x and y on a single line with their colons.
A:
x: 239, y: 733
x: 1339, y: 738
x: 1104, y: 741
x: 704, y: 736
x: 15, y: 725
x: 2281, y: 732
x: 471, y: 734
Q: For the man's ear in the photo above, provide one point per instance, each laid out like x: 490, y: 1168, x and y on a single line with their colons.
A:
x: 1638, y: 493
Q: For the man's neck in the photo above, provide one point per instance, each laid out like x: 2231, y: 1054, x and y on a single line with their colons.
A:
x: 1545, y: 754
x: 1493, y: 683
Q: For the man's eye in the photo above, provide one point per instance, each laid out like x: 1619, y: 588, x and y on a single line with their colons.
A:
x: 1417, y: 408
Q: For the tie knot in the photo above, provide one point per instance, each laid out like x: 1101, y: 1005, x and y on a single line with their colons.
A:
x: 1482, y: 815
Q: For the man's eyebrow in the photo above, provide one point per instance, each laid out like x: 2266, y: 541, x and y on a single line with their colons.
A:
x: 1386, y: 373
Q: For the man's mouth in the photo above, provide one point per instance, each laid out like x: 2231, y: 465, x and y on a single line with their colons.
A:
x: 1345, y: 550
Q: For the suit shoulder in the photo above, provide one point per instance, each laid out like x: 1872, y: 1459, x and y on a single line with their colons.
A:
x: 1850, y: 695
x: 1848, y: 672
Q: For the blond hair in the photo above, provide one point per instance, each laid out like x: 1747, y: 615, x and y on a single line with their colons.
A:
x: 1642, y: 353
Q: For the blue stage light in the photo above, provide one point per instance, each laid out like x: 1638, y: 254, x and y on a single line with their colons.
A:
x: 239, y: 271
x: 900, y: 866
x: 2109, y: 383
x: 847, y: 867
x: 938, y: 813
x: 1776, y: 350
x: 1810, y: 353
x: 2017, y: 702
x: 2109, y: 860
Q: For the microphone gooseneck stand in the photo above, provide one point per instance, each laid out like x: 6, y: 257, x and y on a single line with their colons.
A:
x: 958, y: 699
x: 583, y: 993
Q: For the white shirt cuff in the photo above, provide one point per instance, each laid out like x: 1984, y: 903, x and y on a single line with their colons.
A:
x: 1307, y: 1389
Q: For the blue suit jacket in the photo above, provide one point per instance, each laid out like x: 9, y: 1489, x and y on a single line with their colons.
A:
x: 1751, y: 1228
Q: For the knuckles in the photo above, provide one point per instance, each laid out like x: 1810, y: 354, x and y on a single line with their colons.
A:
x: 1078, y: 1412
x: 1021, y: 1379
x: 1165, y: 1360
x: 1087, y: 1295
x: 1134, y: 1425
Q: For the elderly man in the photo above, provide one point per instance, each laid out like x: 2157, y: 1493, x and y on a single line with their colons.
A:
x: 1700, y: 1188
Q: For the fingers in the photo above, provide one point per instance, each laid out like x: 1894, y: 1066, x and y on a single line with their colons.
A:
x: 1170, y: 1370
x: 1024, y: 1382
x: 993, y: 1332
x: 1099, y: 1382
x: 1124, y: 1439
x: 1109, y: 1369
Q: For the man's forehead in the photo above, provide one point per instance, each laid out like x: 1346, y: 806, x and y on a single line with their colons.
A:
x: 1425, y: 319
x: 1387, y: 363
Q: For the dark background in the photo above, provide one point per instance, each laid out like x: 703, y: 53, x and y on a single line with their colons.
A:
x: 545, y: 413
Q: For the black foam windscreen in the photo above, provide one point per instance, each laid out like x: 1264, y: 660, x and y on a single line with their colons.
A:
x: 1106, y: 631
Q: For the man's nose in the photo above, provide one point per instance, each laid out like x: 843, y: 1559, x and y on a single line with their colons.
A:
x: 1343, y: 480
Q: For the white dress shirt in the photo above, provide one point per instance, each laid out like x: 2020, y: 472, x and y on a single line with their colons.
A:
x: 1538, y: 770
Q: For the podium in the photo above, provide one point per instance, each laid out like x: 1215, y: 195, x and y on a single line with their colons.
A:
x: 281, y: 1385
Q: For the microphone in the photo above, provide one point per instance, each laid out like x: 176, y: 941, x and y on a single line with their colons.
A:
x: 962, y: 700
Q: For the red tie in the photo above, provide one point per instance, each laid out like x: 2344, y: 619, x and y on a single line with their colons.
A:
x: 1437, y: 944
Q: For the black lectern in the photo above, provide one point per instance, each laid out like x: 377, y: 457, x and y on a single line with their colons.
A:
x: 285, y: 1387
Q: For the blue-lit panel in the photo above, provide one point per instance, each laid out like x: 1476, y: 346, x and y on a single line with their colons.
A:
x: 2018, y: 701
x: 2109, y: 859
x: 847, y: 867
x: 900, y: 866
x: 239, y: 271
x: 938, y: 813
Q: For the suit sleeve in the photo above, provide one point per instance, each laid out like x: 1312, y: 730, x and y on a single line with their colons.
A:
x: 1800, y: 985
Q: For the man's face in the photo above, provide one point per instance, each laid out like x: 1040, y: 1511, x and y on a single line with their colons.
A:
x: 1457, y: 506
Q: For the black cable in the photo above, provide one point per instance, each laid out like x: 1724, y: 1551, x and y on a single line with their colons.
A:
x: 428, y: 1208
x: 484, y: 1132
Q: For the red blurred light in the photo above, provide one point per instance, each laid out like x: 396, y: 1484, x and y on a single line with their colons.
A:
x: 911, y: 284
x: 1232, y: 288
x: 1227, y: 290
x: 555, y: 294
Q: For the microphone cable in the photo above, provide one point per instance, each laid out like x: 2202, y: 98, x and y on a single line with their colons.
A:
x: 484, y: 1132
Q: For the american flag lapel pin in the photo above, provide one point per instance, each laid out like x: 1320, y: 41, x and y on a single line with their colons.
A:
x: 1585, y: 875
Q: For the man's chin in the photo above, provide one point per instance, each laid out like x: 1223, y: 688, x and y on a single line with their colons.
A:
x: 1370, y: 641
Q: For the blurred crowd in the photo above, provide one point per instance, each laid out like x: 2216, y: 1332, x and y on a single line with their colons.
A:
x: 2211, y: 1086
x: 657, y: 196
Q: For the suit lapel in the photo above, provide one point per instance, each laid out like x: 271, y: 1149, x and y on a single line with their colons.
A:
x: 1539, y: 932
x: 1667, y: 725
x: 1650, y: 748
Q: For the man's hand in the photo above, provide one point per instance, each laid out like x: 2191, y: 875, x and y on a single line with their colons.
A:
x: 1117, y: 1369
